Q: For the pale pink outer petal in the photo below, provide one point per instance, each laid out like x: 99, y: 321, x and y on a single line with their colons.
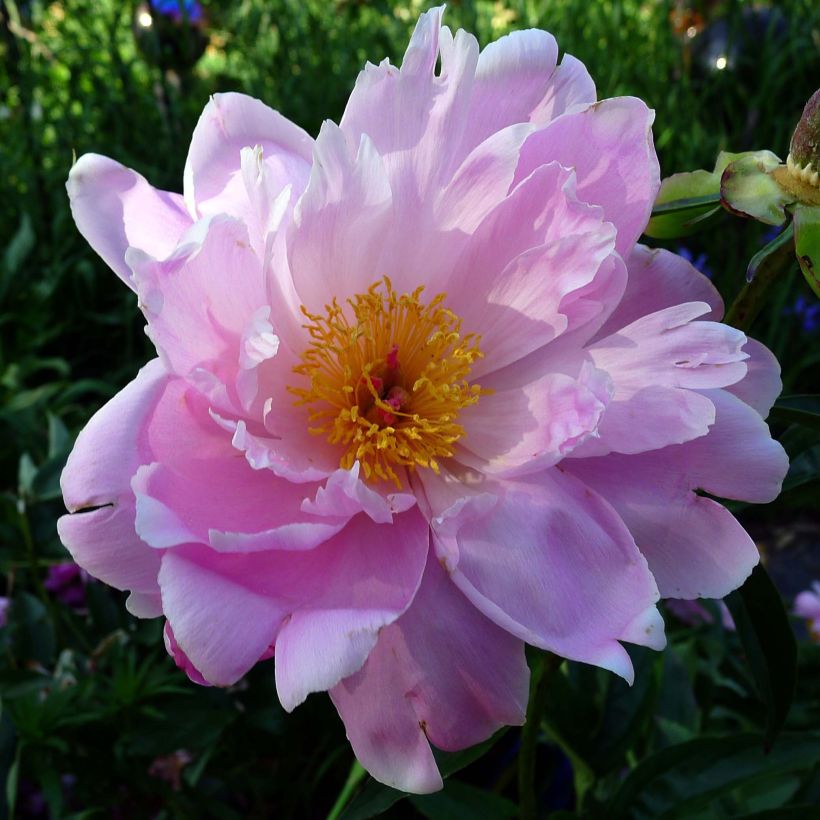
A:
x: 694, y: 546
x: 442, y: 673
x: 115, y: 208
x: 660, y: 279
x: 762, y: 385
x: 372, y: 577
x: 97, y: 476
x: 199, y: 488
x: 213, y: 181
x: 570, y: 89
x: 551, y: 562
x: 656, y: 364
x: 610, y: 147
x: 227, y: 609
x: 198, y: 303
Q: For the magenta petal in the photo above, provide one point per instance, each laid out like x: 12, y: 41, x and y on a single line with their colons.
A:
x: 552, y: 563
x: 229, y: 123
x: 442, y: 673
x: 115, y: 208
x: 610, y: 147
x: 97, y: 476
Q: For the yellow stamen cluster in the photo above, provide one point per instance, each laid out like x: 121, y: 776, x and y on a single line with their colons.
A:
x: 387, y: 376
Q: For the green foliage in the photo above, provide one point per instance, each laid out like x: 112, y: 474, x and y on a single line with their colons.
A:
x: 94, y: 715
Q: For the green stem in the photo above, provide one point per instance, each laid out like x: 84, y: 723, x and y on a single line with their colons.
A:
x: 527, y: 801
x: 355, y: 777
x: 769, y: 265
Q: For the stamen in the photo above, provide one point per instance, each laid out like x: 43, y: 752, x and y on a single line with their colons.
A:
x: 388, y: 376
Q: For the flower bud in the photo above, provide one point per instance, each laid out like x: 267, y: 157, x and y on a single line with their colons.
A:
x: 804, y: 150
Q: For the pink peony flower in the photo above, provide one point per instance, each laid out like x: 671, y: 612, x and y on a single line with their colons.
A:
x: 694, y: 613
x: 420, y: 397
x: 807, y: 605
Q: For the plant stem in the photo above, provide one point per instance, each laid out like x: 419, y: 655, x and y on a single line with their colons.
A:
x: 527, y: 798
x: 750, y: 301
x: 355, y: 777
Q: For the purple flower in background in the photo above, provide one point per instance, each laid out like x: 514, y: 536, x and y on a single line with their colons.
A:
x: 807, y: 605
x: 189, y: 10
x: 66, y: 582
x: 694, y: 613
x: 807, y: 311
x: 4, y: 610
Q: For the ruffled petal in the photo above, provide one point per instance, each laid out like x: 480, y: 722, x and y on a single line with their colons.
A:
x: 761, y: 385
x: 694, y: 546
x: 550, y: 562
x: 213, y: 181
x: 656, y: 363
x: 610, y: 147
x: 199, y: 303
x: 442, y: 673
x: 660, y: 279
x: 100, y: 532
x: 570, y: 89
x: 115, y: 208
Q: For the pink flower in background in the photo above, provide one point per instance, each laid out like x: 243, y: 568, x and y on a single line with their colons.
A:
x: 66, y: 582
x: 694, y: 613
x: 420, y: 397
x: 807, y: 605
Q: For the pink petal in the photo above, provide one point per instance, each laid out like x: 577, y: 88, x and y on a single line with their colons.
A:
x: 442, y: 673
x: 340, y: 221
x: 761, y: 385
x: 226, y: 609
x: 553, y: 415
x: 654, y: 363
x: 97, y: 475
x: 201, y: 490
x: 115, y: 208
x: 199, y: 302
x: 213, y: 180
x: 570, y: 89
x: 370, y: 577
x: 552, y: 563
x: 522, y: 60
x: 610, y: 147
x: 660, y: 279
x: 695, y: 547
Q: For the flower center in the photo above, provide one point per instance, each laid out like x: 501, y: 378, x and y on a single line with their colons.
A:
x: 388, y: 377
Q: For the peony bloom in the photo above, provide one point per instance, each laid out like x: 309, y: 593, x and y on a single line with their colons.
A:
x: 420, y: 397
x: 807, y: 605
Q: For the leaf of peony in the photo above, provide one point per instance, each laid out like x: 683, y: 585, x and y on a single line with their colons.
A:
x: 688, y: 199
x: 459, y: 799
x: 803, y: 409
x: 771, y: 649
x: 747, y: 188
x: 687, y: 778
x: 807, y: 243
x: 765, y: 254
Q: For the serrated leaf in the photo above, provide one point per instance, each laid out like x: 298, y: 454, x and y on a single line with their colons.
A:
x: 771, y: 649
x: 680, y: 780
x: 807, y: 243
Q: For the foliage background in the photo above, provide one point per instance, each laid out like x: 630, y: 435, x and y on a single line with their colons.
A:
x: 96, y: 720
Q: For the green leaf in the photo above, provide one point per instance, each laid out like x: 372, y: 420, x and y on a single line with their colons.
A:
x: 688, y: 200
x: 747, y: 188
x: 459, y: 800
x: 803, y: 469
x: 800, y: 409
x: 807, y: 243
x: 681, y: 780
x: 771, y: 650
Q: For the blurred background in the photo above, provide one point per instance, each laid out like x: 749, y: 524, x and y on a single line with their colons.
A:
x: 96, y: 720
